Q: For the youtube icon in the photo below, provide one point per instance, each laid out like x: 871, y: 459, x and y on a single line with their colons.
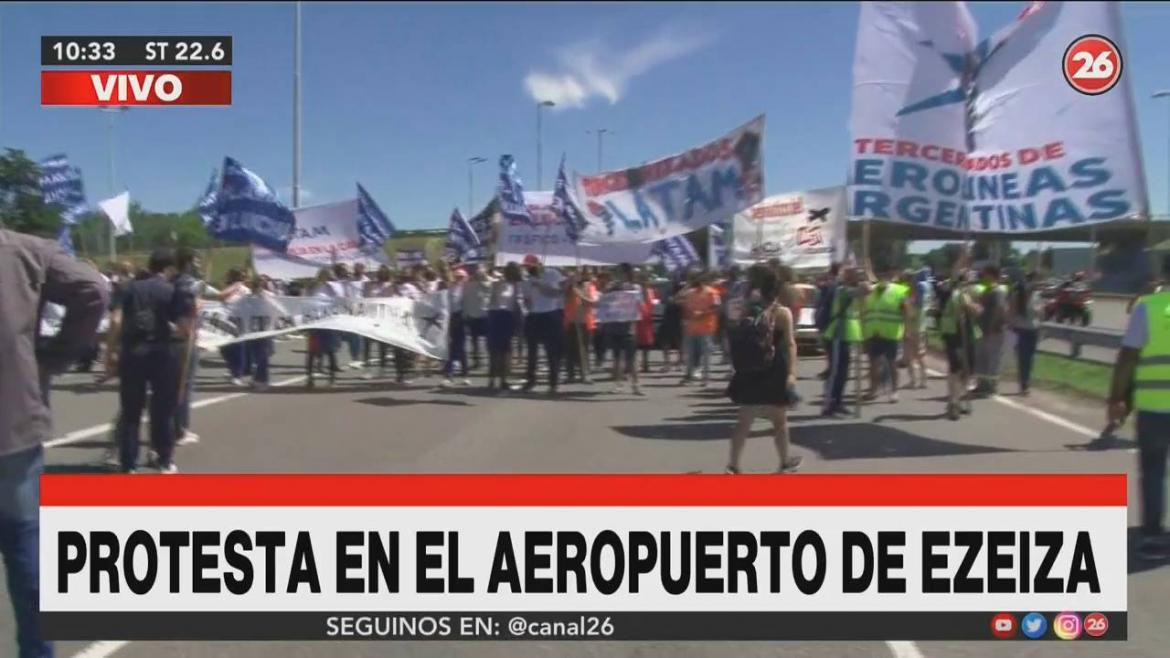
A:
x: 1004, y: 626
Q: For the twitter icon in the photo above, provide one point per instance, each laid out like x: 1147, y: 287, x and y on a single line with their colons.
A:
x: 1034, y: 626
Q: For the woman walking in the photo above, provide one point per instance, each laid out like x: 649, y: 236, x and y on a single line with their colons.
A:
x: 504, y: 306
x: 1027, y: 306
x: 763, y: 353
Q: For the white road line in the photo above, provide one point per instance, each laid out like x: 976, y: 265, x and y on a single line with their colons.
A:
x: 899, y: 649
x: 96, y: 430
x: 102, y: 649
x: 1039, y: 413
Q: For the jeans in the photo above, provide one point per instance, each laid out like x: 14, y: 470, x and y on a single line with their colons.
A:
x: 183, y: 413
x: 546, y: 329
x: 1153, y: 438
x: 698, y: 350
x: 1026, y: 341
x: 839, y: 352
x: 456, y: 346
x: 988, y: 355
x: 156, y: 367
x: 260, y: 352
x: 20, y: 498
x: 238, y: 358
x: 355, y: 346
x: 577, y: 339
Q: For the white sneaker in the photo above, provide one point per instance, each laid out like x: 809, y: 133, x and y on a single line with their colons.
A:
x: 169, y: 469
x: 111, y: 457
x: 446, y: 383
x: 464, y: 382
x: 893, y: 398
x: 356, y: 365
x: 236, y: 381
x: 189, y: 437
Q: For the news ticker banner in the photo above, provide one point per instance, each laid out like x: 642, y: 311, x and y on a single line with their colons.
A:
x: 157, y: 79
x: 619, y: 557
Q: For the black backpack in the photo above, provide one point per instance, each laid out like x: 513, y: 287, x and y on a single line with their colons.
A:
x: 140, y: 321
x: 753, y: 339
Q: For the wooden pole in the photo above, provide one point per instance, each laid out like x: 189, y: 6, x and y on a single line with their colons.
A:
x: 858, y: 372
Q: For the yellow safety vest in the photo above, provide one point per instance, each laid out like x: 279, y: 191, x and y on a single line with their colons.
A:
x: 883, y: 312
x: 850, y: 319
x: 948, y: 324
x: 1152, y: 378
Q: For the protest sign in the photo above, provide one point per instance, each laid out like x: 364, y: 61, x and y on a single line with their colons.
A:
x: 677, y: 194
x: 545, y: 236
x: 801, y: 229
x: 325, y: 235
x: 956, y: 134
x: 619, y: 306
x: 405, y: 258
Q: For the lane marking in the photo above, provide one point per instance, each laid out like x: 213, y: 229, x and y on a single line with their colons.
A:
x: 899, y: 649
x: 96, y: 430
x: 102, y: 649
x: 1038, y: 413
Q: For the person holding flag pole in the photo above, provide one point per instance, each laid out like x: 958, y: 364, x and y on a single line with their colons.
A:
x: 583, y: 293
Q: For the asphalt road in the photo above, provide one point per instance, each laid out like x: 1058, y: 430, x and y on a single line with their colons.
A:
x: 377, y: 427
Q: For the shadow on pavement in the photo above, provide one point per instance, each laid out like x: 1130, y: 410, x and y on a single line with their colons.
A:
x: 74, y: 469
x: 831, y: 441
x: 394, y: 402
x: 1136, y: 563
x: 909, y: 418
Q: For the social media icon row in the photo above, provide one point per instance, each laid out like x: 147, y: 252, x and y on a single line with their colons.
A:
x: 1066, y: 625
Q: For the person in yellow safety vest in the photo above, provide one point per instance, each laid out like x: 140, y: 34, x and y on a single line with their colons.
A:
x: 1144, y: 363
x: 959, y: 333
x: 887, y: 312
x: 842, y: 332
x: 919, y: 292
x: 993, y: 323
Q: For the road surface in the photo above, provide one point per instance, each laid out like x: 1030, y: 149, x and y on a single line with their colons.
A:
x: 376, y: 427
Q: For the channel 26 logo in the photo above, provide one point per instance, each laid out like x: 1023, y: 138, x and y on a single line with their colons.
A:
x: 1092, y: 64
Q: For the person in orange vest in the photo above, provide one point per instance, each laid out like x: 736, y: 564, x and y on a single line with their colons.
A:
x: 580, y: 322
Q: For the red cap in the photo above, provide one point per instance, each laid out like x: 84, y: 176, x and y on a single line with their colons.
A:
x: 530, y: 260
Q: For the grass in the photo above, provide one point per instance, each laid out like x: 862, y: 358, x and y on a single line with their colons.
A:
x: 1054, y: 372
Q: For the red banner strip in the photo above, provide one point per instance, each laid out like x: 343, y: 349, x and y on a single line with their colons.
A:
x: 144, y: 87
x: 480, y: 490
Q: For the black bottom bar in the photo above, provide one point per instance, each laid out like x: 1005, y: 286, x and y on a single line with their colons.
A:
x: 542, y: 626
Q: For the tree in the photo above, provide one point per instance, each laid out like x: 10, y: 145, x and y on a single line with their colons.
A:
x: 22, y: 207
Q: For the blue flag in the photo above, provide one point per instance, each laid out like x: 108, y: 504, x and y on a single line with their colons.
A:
x: 209, y: 201
x: 565, y: 207
x: 716, y: 245
x: 374, y: 227
x: 61, y: 186
x: 247, y: 210
x: 65, y: 239
x: 511, y: 192
x: 461, y: 239
x: 677, y: 253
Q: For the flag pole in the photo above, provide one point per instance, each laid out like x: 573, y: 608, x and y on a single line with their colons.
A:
x: 860, y: 352
x: 296, y: 183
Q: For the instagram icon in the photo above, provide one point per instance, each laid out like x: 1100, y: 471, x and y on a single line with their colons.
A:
x: 1067, y: 626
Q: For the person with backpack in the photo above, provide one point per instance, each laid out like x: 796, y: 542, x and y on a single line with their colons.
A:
x: 960, y: 332
x: 887, y: 315
x: 156, y: 319
x: 762, y: 343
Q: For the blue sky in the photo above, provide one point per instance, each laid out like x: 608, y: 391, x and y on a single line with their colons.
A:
x: 399, y: 96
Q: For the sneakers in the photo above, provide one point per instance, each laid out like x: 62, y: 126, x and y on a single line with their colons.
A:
x: 791, y: 466
x: 463, y: 382
x: 892, y: 398
x: 1154, y: 547
x: 368, y: 375
x: 356, y: 365
x: 447, y: 383
x: 111, y: 457
x: 236, y: 381
x: 952, y: 411
x: 168, y: 469
x: 731, y: 470
x: 189, y: 437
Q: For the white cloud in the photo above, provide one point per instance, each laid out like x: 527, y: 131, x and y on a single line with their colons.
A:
x: 591, y: 69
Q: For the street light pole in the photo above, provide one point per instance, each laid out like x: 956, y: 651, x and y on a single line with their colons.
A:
x: 539, y: 154
x: 109, y: 112
x: 471, y: 162
x: 296, y: 182
x: 600, y: 132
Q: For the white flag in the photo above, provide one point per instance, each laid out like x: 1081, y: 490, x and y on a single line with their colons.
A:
x: 118, y: 210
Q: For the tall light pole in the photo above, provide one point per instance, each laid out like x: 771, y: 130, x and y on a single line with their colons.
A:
x: 1165, y: 93
x: 296, y: 182
x: 471, y: 162
x: 600, y: 132
x: 110, y: 112
x: 539, y: 155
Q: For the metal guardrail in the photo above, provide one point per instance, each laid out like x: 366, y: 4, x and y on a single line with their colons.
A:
x: 1078, y: 337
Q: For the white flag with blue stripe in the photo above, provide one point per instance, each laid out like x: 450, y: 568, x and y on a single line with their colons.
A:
x: 374, y: 227
x: 511, y: 191
x: 248, y: 210
x: 566, y: 207
x: 61, y: 186
x: 462, y: 243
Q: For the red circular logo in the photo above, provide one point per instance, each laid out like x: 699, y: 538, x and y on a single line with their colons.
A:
x: 1092, y: 64
x: 1003, y: 626
x: 1096, y: 624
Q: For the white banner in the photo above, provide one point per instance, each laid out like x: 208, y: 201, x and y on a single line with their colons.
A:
x: 324, y: 235
x: 677, y: 194
x: 802, y: 229
x: 619, y: 306
x: 546, y: 237
x: 418, y: 326
x: 405, y: 258
x: 950, y: 132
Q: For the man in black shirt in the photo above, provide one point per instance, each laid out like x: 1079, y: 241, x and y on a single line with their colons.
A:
x: 156, y: 320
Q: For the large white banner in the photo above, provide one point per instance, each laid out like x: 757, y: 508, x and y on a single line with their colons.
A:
x: 324, y: 235
x: 546, y: 237
x: 802, y: 229
x: 419, y: 326
x: 677, y: 194
x: 987, y: 136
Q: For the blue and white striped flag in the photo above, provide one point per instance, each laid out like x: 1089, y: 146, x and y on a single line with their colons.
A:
x: 565, y: 207
x: 374, y: 227
x: 209, y: 201
x: 461, y: 239
x: 511, y: 192
x: 61, y: 186
x: 677, y: 253
x: 248, y: 210
x: 716, y: 245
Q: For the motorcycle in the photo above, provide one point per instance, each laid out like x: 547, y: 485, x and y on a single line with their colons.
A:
x: 1072, y: 304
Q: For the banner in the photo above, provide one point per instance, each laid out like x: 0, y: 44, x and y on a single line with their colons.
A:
x: 801, y: 229
x: 418, y: 326
x: 544, y: 235
x: 584, y: 557
x: 619, y: 306
x: 325, y: 235
x: 677, y: 194
x: 248, y: 210
x: 989, y: 136
x: 404, y: 258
